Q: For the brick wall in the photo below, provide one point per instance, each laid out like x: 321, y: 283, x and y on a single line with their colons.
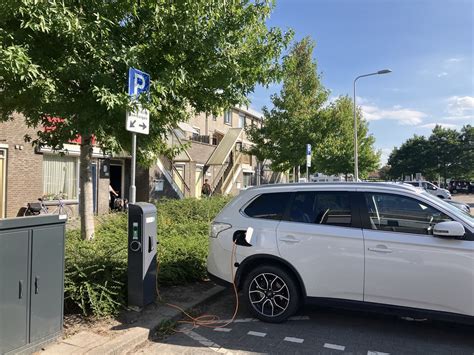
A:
x: 24, y: 166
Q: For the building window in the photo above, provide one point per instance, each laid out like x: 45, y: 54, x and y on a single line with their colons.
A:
x: 214, y: 117
x: 241, y: 120
x: 60, y: 176
x: 247, y: 179
x: 228, y: 117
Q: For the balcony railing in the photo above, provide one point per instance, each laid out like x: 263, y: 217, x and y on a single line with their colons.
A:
x: 201, y: 139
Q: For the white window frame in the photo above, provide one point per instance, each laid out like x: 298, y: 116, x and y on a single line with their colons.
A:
x: 228, y: 117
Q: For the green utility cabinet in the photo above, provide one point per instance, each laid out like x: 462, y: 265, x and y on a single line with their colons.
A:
x: 31, y: 281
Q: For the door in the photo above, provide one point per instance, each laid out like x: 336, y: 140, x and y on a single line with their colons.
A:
x: 3, y: 182
x: 319, y: 237
x: 14, y: 258
x: 198, y: 182
x: 406, y: 265
x: 46, y: 282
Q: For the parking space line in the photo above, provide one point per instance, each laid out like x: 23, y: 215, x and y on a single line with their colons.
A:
x: 225, y: 330
x: 334, y: 346
x: 376, y: 353
x: 257, y: 334
x: 294, y: 340
x: 206, y: 342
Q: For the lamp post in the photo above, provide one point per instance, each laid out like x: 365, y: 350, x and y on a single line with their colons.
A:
x: 356, y: 156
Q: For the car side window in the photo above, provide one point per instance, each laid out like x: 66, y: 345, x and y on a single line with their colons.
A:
x: 268, y: 206
x: 331, y: 208
x: 402, y: 214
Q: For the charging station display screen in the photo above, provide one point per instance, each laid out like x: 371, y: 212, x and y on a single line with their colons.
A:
x: 135, y: 231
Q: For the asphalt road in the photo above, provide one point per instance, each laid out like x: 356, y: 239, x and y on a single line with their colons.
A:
x: 316, y: 330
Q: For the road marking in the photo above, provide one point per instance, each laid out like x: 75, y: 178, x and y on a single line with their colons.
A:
x: 376, y: 353
x: 207, y: 343
x: 294, y: 340
x: 249, y: 320
x: 257, y: 334
x: 334, y: 347
x: 225, y: 330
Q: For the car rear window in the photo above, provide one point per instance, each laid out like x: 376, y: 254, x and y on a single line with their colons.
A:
x: 268, y: 206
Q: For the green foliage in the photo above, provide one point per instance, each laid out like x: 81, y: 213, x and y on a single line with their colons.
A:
x: 299, y: 118
x: 69, y: 59
x: 294, y: 120
x: 334, y: 154
x: 96, y: 271
x: 446, y: 153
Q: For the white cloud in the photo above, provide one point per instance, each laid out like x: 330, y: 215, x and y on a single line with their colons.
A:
x: 444, y: 125
x: 440, y: 75
x: 404, y: 116
x: 454, y: 60
x: 385, y: 155
x: 460, y: 108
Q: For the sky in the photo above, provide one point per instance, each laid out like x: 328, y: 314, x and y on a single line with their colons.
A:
x: 428, y: 45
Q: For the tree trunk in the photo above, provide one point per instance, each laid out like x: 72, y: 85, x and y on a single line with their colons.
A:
x: 86, y: 209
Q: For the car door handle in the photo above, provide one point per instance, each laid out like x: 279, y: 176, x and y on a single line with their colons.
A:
x: 289, y: 239
x: 380, y: 249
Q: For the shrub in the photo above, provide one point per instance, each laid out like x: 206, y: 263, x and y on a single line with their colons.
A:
x: 96, y: 271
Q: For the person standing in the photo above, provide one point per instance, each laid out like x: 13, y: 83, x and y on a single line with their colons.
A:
x: 206, y: 189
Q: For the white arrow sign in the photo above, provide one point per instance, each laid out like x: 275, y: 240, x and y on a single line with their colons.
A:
x: 138, y: 121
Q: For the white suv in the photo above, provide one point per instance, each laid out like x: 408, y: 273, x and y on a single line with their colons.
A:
x: 431, y: 188
x: 366, y: 243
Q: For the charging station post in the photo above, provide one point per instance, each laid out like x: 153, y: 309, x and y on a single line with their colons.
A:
x: 141, y: 254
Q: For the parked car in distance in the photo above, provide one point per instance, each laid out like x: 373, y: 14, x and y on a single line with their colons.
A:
x: 462, y: 206
x: 431, y: 188
x: 377, y: 245
x: 461, y: 186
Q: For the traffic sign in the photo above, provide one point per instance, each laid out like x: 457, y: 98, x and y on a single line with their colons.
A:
x: 138, y: 121
x: 308, y: 155
x: 138, y: 82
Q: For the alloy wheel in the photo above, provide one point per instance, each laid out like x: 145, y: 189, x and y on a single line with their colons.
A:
x: 269, y: 294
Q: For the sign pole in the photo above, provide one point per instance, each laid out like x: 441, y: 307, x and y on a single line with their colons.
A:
x: 308, y: 160
x: 133, y: 188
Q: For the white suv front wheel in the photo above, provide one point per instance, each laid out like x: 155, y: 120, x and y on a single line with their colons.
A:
x: 271, y: 293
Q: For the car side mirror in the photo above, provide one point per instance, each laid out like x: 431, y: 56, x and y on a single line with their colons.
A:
x: 449, y: 229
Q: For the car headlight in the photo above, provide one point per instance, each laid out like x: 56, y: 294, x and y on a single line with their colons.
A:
x: 217, y: 227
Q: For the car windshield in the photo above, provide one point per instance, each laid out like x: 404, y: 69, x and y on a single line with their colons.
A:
x: 456, y: 211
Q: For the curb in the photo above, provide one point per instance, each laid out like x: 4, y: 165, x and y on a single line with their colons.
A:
x: 141, y: 333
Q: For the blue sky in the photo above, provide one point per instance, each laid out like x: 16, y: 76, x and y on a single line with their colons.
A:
x: 427, y: 43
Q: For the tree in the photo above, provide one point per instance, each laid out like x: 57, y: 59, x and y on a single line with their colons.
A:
x: 334, y: 154
x: 294, y: 120
x: 413, y: 156
x: 69, y: 59
x: 446, y: 152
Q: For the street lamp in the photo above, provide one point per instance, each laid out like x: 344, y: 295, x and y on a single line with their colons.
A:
x: 356, y: 157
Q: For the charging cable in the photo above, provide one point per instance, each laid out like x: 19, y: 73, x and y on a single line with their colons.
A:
x: 206, y: 320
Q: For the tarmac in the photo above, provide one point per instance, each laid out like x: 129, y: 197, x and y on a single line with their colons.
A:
x: 131, y: 329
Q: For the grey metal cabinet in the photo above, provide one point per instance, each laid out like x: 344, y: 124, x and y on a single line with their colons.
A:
x: 31, y: 281
x: 13, y: 290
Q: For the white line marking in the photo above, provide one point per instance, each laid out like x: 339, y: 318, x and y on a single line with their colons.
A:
x: 334, y: 346
x: 225, y: 330
x: 207, y: 343
x: 246, y: 320
x: 257, y: 334
x: 294, y: 340
x: 376, y: 353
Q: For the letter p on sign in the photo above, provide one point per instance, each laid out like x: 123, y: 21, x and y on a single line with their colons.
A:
x: 138, y: 82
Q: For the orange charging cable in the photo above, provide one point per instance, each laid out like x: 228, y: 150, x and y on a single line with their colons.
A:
x: 206, y: 320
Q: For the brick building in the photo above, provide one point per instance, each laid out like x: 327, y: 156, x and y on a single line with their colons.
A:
x: 215, y: 149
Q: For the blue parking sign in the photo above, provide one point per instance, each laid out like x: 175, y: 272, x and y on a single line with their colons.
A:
x: 138, y: 82
x: 308, y: 149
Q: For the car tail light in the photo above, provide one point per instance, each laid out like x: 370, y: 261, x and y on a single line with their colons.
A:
x: 217, y: 227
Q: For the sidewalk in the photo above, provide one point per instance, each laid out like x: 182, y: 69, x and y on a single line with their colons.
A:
x: 131, y: 329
